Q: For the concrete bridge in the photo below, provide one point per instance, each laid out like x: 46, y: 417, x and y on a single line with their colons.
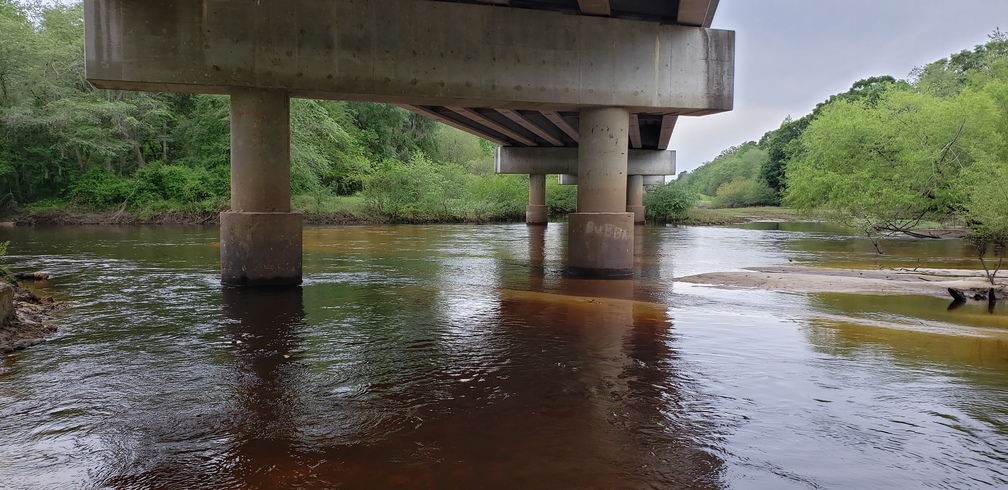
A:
x: 582, y: 81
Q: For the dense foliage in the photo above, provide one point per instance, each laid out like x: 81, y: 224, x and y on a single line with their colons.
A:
x: 933, y: 149
x: 888, y: 155
x: 734, y: 179
x: 670, y: 202
x: 64, y: 143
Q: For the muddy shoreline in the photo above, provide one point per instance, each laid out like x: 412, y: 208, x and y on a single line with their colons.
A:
x: 29, y: 322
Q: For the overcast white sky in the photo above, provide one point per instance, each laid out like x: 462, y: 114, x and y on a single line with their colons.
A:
x: 792, y: 54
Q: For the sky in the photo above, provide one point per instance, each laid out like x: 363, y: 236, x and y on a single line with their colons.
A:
x: 792, y: 54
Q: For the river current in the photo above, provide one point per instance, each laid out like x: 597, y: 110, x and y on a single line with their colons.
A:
x: 460, y: 356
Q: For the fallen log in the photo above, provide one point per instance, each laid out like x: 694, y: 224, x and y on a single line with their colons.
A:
x: 957, y: 295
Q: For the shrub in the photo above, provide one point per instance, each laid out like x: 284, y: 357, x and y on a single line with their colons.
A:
x: 99, y: 188
x: 743, y: 193
x: 669, y: 202
x: 498, y: 198
x: 560, y: 199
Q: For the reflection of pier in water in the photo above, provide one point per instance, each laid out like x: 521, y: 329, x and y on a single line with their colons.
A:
x: 452, y: 387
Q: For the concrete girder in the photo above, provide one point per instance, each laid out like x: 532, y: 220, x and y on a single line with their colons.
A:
x: 511, y: 160
x: 650, y: 181
x: 697, y: 12
x: 561, y: 123
x: 667, y: 126
x: 531, y: 126
x: 594, y: 7
x: 635, y: 136
x: 488, y: 56
x: 486, y: 122
x: 445, y: 119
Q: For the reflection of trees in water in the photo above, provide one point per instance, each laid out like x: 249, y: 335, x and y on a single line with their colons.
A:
x: 909, y: 345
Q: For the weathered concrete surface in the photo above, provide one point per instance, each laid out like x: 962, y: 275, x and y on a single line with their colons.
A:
x: 410, y: 52
x: 600, y: 245
x: 260, y: 151
x: 600, y: 241
x: 537, y: 213
x: 635, y: 198
x: 513, y: 160
x: 261, y: 248
x: 650, y: 181
x: 602, y: 160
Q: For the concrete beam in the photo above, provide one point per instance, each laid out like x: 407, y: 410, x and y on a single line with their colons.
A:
x: 697, y: 12
x: 558, y: 121
x: 650, y: 181
x: 531, y: 126
x: 594, y: 7
x: 667, y: 127
x: 490, y: 124
x: 513, y: 160
x: 635, y: 139
x: 406, y: 52
x: 423, y: 111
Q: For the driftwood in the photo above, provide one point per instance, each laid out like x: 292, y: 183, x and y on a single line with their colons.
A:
x: 959, y: 298
x: 31, y: 276
x: 957, y: 295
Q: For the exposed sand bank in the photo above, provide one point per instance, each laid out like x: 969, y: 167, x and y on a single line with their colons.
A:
x: 931, y: 282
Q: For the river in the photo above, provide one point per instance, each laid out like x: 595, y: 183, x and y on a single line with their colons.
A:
x: 459, y: 356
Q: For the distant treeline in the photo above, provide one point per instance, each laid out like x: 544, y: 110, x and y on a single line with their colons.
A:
x: 67, y: 145
x: 888, y: 155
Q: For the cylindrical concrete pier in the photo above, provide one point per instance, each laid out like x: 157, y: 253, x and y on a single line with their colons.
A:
x: 635, y: 198
x: 537, y: 213
x: 260, y: 237
x: 600, y: 233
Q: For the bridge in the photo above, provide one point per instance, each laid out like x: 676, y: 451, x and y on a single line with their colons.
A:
x: 577, y: 84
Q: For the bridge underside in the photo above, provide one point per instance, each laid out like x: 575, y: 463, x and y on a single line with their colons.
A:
x: 601, y: 76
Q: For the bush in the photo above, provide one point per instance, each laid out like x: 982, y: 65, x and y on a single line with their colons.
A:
x: 418, y: 191
x: 498, y: 198
x: 743, y: 193
x: 669, y: 202
x: 176, y: 182
x: 101, y: 189
x: 560, y: 199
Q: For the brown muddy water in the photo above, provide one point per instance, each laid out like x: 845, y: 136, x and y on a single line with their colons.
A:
x: 461, y: 357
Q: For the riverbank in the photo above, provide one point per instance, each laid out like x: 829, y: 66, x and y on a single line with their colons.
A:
x: 350, y: 213
x: 736, y: 216
x: 26, y: 319
x: 882, y: 282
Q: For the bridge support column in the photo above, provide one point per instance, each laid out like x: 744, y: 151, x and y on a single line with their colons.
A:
x: 260, y: 236
x: 600, y: 233
x: 537, y: 213
x: 635, y: 198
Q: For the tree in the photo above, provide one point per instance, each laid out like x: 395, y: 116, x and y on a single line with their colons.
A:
x: 781, y: 146
x: 886, y: 168
x: 670, y: 202
x: 733, y: 178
